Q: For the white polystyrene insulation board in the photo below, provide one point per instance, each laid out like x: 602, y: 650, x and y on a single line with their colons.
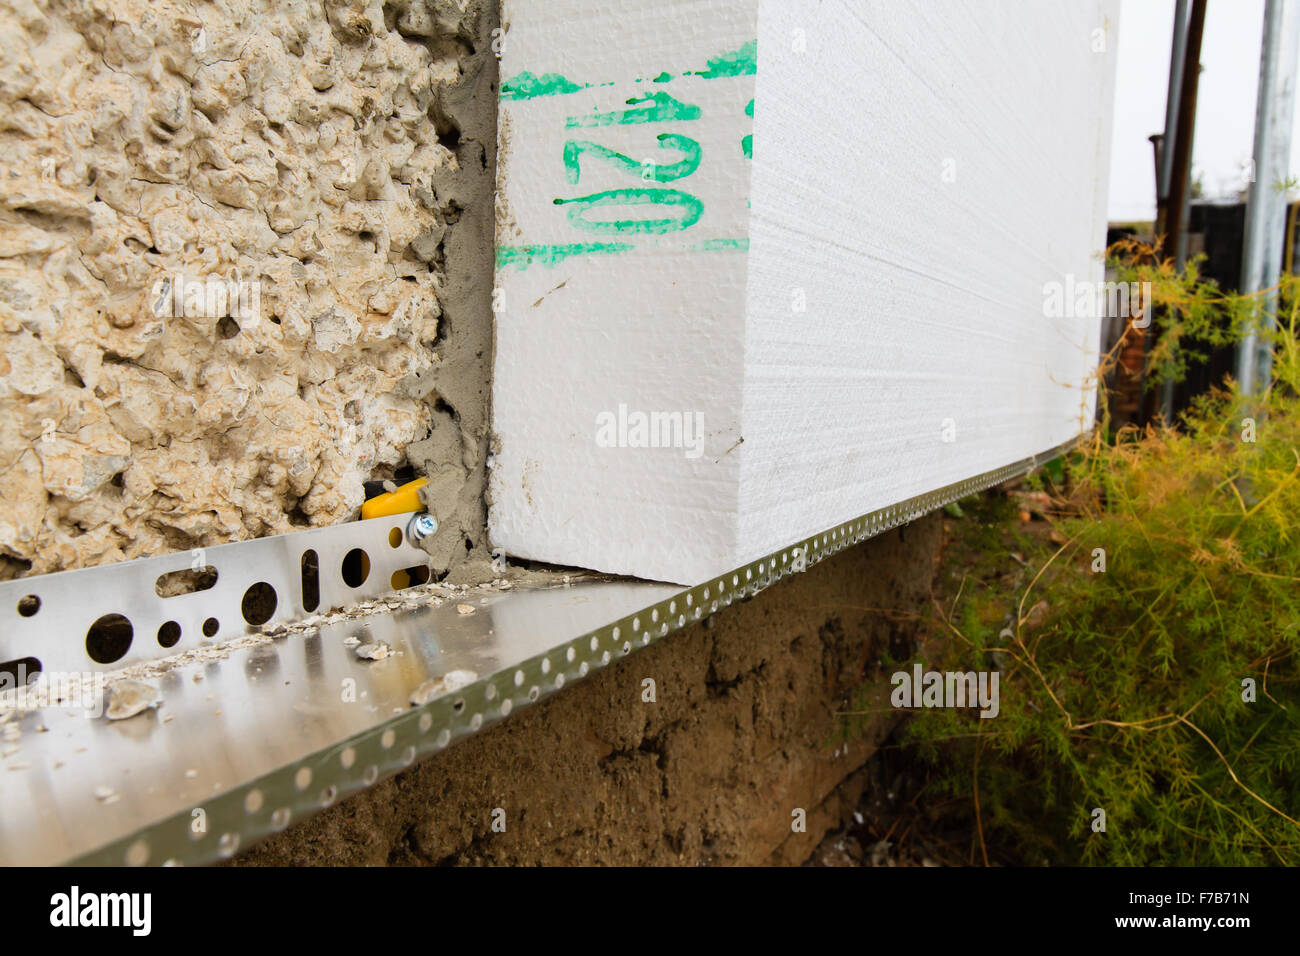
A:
x: 863, y: 301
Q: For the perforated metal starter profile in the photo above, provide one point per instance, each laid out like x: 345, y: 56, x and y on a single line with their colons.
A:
x: 246, y: 745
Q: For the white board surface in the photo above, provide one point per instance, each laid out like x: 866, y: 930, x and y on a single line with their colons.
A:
x: 823, y: 228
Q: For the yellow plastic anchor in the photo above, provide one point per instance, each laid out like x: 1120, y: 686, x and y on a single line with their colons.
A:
x: 402, y: 501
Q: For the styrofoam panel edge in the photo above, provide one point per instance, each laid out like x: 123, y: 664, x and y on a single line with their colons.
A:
x: 636, y: 528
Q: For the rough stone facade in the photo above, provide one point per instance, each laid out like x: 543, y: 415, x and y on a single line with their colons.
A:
x: 333, y: 163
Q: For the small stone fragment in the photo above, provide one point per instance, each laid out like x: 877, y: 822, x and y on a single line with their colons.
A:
x: 446, y: 684
x: 127, y: 698
x: 375, y: 651
x: 465, y: 609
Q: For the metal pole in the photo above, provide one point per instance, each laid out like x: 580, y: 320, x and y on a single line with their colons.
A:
x: 1165, y: 159
x: 1266, y: 205
x: 1179, y: 152
x: 1177, y: 56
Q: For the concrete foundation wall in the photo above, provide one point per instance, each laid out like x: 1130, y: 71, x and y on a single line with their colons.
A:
x: 744, y: 731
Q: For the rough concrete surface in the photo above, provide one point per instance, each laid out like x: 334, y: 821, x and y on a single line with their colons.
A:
x: 330, y: 163
x: 744, y: 730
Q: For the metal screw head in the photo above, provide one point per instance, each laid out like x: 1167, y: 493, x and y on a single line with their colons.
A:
x: 421, y: 526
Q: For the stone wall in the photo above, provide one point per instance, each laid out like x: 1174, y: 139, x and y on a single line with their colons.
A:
x: 332, y: 163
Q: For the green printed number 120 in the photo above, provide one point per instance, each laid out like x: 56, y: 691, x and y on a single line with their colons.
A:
x: 685, y: 209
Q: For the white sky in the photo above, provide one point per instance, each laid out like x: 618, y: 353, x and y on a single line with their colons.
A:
x: 1225, y: 109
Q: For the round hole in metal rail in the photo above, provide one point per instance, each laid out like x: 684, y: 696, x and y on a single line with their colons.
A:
x: 210, y: 627
x: 169, y: 632
x: 19, y: 672
x: 109, y: 638
x: 259, y: 603
x: 28, y: 605
x: 356, y: 568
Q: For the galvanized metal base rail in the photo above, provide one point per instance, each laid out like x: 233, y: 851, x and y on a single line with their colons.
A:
x: 256, y: 736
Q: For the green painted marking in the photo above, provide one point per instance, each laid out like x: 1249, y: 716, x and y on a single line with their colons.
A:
x: 553, y: 255
x: 690, y: 207
x: 660, y: 108
x: 747, y: 142
x: 741, y: 62
x: 714, y: 245
x: 647, y: 171
x: 527, y: 86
